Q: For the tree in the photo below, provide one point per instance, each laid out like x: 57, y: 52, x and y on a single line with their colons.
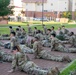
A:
x: 5, y: 9
x: 67, y: 15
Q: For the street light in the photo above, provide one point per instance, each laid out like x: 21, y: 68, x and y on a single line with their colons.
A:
x: 42, y: 11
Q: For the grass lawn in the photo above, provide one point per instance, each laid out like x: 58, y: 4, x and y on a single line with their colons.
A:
x: 67, y: 70
x: 5, y: 30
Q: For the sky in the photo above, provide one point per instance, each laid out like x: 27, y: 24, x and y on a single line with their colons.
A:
x: 17, y: 3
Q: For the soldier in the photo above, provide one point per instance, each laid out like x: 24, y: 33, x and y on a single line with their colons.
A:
x: 13, y: 40
x: 72, y: 39
x: 60, y: 34
x: 46, y: 41
x: 20, y: 60
x: 29, y: 29
x: 29, y: 40
x: 4, y: 37
x: 23, y: 32
x: 19, y: 27
x: 52, y: 30
x: 11, y: 29
x: 39, y: 34
x: 35, y: 31
x: 40, y: 53
x: 65, y: 31
x: 5, y: 57
x: 27, y: 49
x: 18, y: 33
x: 57, y: 45
x: 45, y: 29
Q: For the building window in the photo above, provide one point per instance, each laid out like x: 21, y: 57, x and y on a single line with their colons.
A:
x: 75, y: 3
x: 65, y: 8
x: 45, y: 10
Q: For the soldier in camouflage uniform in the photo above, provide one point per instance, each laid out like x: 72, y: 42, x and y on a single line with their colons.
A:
x: 72, y: 39
x: 20, y: 60
x: 60, y: 34
x: 11, y: 29
x: 20, y: 28
x: 65, y: 32
x: 35, y: 31
x: 4, y: 37
x: 40, y: 53
x: 27, y: 49
x: 18, y: 33
x: 57, y: 45
x: 39, y: 34
x: 46, y: 41
x: 23, y: 32
x: 45, y: 29
x: 29, y: 29
x: 13, y: 40
x: 52, y: 30
x: 5, y: 57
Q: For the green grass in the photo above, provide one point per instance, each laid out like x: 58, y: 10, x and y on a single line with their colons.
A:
x: 71, y: 67
x: 5, y: 30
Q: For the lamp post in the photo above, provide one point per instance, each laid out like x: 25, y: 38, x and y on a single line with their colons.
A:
x: 42, y: 11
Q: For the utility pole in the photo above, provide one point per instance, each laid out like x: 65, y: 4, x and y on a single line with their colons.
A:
x: 42, y: 11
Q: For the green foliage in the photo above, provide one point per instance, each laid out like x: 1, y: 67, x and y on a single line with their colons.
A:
x: 5, y: 9
x: 70, y: 68
x: 67, y: 15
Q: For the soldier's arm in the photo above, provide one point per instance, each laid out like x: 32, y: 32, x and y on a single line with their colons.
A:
x: 14, y: 62
x: 52, y: 44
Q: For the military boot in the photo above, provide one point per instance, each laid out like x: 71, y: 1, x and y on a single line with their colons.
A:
x: 66, y: 58
x: 49, y: 73
x: 55, y: 71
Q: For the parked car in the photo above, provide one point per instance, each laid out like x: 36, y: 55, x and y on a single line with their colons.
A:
x: 40, y: 19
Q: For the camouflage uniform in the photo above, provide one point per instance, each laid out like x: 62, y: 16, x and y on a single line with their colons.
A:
x: 40, y: 53
x: 4, y: 56
x: 14, y: 42
x: 18, y: 34
x: 1, y: 44
x: 35, y: 32
x: 45, y: 30
x: 27, y: 49
x: 65, y: 32
x: 53, y: 32
x: 58, y: 46
x: 47, y: 41
x: 11, y: 30
x: 29, y: 30
x: 20, y: 60
x: 4, y: 38
x: 40, y: 36
x: 60, y: 35
x: 72, y: 41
